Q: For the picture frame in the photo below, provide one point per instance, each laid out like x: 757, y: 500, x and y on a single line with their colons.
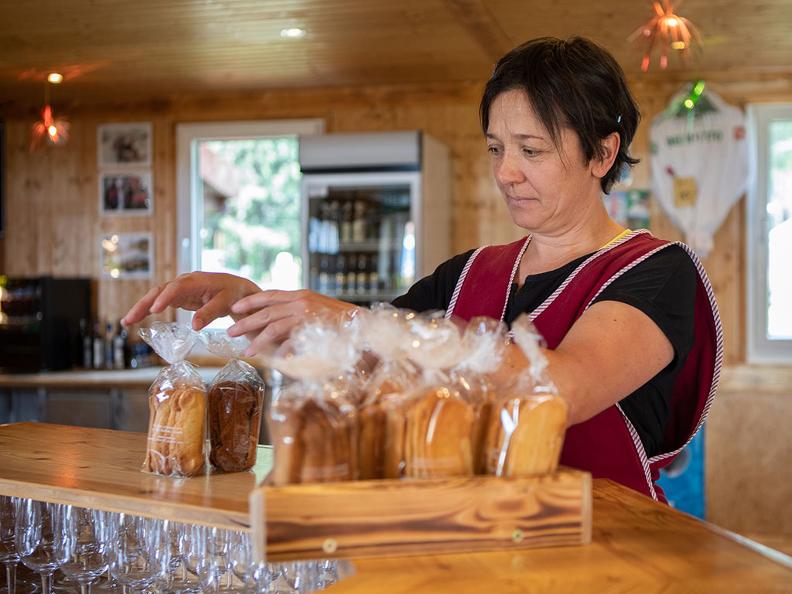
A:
x: 126, y: 193
x: 127, y: 256
x: 124, y: 144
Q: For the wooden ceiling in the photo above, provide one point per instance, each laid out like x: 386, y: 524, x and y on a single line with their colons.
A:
x: 148, y: 48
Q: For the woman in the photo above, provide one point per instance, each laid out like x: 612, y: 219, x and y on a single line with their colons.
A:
x: 631, y: 325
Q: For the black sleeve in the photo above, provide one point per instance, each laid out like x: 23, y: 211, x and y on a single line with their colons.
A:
x: 664, y: 288
x: 434, y: 291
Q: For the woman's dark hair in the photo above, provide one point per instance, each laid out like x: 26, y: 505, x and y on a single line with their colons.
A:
x: 571, y: 83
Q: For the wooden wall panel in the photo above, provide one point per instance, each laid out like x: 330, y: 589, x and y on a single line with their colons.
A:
x: 54, y: 224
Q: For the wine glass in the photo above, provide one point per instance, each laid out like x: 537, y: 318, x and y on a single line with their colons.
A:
x: 37, y: 529
x: 183, y: 580
x: 215, y: 572
x: 141, y: 556
x: 8, y: 552
x: 87, y: 538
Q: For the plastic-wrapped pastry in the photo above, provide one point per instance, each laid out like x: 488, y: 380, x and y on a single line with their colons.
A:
x: 439, y: 420
x: 313, y: 421
x: 528, y: 424
x: 381, y: 416
x: 177, y: 405
x: 236, y: 400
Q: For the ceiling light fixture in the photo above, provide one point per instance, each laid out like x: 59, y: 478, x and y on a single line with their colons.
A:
x: 292, y: 33
x: 665, y: 29
x: 55, y: 78
x: 49, y: 128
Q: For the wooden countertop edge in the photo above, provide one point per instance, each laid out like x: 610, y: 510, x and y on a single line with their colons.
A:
x: 768, y: 553
x: 86, y: 498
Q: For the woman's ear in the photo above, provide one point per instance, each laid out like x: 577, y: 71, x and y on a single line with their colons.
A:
x: 609, y: 149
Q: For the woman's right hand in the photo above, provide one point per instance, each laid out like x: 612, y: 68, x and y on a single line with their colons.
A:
x: 209, y: 294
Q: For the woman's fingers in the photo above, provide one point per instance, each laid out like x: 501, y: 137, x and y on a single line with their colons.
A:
x: 258, y: 321
x: 264, y: 299
x: 217, y: 307
x: 142, y: 308
x: 274, y: 333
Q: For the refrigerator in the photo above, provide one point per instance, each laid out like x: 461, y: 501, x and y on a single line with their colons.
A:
x: 375, y: 212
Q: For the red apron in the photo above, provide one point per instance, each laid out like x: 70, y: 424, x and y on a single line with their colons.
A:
x: 606, y: 445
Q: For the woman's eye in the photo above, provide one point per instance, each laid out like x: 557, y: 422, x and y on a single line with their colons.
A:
x: 530, y: 152
x: 494, y: 150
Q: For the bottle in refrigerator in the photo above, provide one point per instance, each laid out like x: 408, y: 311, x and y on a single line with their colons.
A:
x: 351, y: 275
x: 361, y: 284
x: 340, y: 275
x: 373, y: 285
x: 359, y: 223
x: 347, y: 215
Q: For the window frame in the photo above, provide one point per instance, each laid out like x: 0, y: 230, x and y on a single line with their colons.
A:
x: 189, y: 218
x: 759, y: 348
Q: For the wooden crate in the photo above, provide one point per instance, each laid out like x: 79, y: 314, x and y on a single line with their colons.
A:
x: 388, y: 517
x: 100, y: 469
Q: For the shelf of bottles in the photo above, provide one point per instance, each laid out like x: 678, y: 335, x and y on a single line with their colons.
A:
x: 361, y: 243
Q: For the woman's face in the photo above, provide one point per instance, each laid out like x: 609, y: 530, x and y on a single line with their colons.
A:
x: 547, y: 189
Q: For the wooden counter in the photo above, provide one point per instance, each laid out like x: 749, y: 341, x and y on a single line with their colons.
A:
x: 111, y: 378
x: 637, y: 545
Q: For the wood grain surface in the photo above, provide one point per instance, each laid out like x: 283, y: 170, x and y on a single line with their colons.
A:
x: 101, y: 468
x: 638, y: 545
x: 388, y: 517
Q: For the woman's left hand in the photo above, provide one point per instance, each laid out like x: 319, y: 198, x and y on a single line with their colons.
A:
x: 271, y: 315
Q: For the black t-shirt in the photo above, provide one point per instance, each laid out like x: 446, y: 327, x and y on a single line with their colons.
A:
x: 663, y: 287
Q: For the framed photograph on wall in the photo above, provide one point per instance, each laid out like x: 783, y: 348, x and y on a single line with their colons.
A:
x: 125, y: 192
x: 127, y: 256
x: 124, y: 144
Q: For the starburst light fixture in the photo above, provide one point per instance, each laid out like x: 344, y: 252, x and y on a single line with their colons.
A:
x: 49, y: 129
x: 665, y: 30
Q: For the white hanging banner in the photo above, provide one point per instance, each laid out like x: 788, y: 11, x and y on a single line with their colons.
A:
x: 699, y: 165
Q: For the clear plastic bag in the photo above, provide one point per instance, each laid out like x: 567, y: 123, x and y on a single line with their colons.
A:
x: 177, y: 405
x: 483, y: 343
x: 313, y: 421
x: 439, y: 421
x: 381, y: 417
x: 528, y: 423
x: 236, y: 401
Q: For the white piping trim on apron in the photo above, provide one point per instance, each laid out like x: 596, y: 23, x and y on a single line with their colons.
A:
x: 646, y: 462
x: 513, y: 274
x: 641, y: 451
x: 547, y: 302
x: 452, y: 304
x: 718, y: 351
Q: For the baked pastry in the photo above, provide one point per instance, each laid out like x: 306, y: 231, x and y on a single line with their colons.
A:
x: 381, y: 434
x: 177, y: 428
x: 438, y: 437
x: 526, y: 435
x: 234, y: 424
x: 314, y: 442
x: 481, y: 423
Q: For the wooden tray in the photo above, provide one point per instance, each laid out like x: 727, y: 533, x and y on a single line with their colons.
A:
x: 100, y: 469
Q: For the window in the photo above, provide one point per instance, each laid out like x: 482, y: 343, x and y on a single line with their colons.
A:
x: 239, y: 201
x: 769, y: 236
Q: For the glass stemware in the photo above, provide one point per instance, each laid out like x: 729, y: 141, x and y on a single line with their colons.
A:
x: 87, y: 538
x: 37, y: 530
x: 8, y: 552
x: 141, y: 556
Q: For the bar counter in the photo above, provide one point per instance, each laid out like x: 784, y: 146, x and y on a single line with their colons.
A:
x: 637, y: 544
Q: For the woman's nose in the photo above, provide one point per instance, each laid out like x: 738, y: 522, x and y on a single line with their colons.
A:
x: 507, y: 171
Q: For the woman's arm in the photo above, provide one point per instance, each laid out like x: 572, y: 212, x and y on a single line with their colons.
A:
x: 610, y: 352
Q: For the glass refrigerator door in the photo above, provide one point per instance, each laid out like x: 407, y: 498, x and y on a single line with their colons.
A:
x: 361, y: 240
